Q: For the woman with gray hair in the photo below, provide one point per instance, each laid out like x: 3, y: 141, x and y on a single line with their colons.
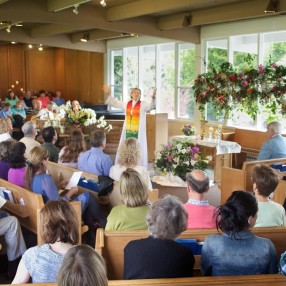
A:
x: 159, y: 255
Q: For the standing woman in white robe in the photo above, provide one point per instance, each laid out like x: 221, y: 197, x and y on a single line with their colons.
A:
x: 132, y: 105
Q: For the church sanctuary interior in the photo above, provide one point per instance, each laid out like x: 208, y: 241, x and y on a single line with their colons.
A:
x: 216, y: 73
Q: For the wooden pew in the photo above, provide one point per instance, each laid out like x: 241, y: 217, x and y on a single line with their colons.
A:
x: 110, y: 244
x: 247, y: 280
x: 26, y: 214
x: 235, y: 179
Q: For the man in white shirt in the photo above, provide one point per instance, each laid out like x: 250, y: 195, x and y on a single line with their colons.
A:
x: 48, y: 112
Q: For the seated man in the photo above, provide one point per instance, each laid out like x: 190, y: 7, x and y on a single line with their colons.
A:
x: 6, y: 111
x: 201, y: 214
x: 265, y: 181
x: 95, y: 161
x: 58, y: 100
x: 30, y: 132
x: 275, y: 146
x: 50, y: 137
x: 48, y: 112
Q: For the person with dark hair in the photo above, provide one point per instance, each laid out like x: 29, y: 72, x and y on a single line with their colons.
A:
x: 6, y: 111
x: 83, y: 266
x: 159, y: 255
x: 95, y: 161
x: 43, y: 98
x: 38, y: 181
x: 50, y: 137
x: 5, y: 158
x: 200, y: 213
x: 237, y: 251
x: 17, y: 171
x: 11, y: 98
x: 265, y: 180
x: 59, y: 230
x: 69, y: 154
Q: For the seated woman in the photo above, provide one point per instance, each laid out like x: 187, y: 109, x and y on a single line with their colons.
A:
x: 59, y: 230
x: 82, y: 266
x: 5, y: 158
x: 19, y: 114
x: 237, y: 251
x: 38, y: 181
x: 129, y: 157
x: 132, y: 214
x: 75, y: 106
x: 11, y: 98
x: 17, y: 171
x: 5, y: 129
x: 159, y: 255
x: 69, y: 154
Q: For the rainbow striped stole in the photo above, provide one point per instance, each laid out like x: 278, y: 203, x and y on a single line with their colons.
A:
x: 132, y: 119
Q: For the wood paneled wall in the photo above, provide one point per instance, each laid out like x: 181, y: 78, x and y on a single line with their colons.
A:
x: 78, y: 74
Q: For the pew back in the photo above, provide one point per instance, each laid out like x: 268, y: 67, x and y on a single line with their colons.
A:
x: 27, y: 214
x: 110, y: 244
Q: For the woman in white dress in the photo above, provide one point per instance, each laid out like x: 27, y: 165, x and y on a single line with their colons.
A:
x: 135, y: 119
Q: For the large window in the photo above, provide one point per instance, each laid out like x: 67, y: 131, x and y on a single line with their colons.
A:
x: 169, y: 67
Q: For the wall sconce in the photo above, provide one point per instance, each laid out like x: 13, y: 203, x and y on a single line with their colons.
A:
x: 187, y: 20
x: 75, y: 9
x: 85, y: 38
x: 103, y: 3
x: 40, y: 48
x: 272, y: 6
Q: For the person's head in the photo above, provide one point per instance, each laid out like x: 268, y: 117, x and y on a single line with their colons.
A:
x: 129, y: 153
x: 59, y: 222
x: 239, y: 213
x: 265, y: 180
x: 75, y: 106
x: 5, y: 125
x: 39, y: 157
x: 58, y: 94
x: 167, y: 218
x: 28, y: 94
x: 10, y: 94
x: 135, y: 93
x: 29, y: 129
x: 17, y: 155
x: 133, y: 190
x: 5, y: 147
x: 83, y: 266
x: 97, y: 138
x: 38, y: 104
x: 274, y: 128
x: 49, y: 134
x: 7, y: 106
x: 74, y: 148
x: 19, y: 104
x: 50, y: 106
x: 42, y: 93
x: 197, y: 181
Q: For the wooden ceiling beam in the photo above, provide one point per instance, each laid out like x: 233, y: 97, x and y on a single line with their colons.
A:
x: 51, y: 29
x: 96, y: 35
x: 56, y: 5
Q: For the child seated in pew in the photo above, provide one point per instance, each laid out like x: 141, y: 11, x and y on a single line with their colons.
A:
x: 237, y: 251
x: 82, y: 266
x: 159, y: 255
x: 59, y: 229
x: 265, y: 180
x: 134, y: 194
x: 38, y: 181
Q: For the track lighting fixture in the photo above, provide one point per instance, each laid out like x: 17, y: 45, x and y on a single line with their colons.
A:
x: 103, y: 3
x: 272, y: 6
x: 8, y: 29
x: 85, y: 37
x: 75, y: 9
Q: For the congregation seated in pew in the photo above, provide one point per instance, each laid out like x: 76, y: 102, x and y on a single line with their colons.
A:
x: 237, y: 251
x: 132, y: 213
x: 59, y: 230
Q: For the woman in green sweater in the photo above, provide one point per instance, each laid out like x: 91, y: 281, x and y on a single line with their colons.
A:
x: 132, y: 214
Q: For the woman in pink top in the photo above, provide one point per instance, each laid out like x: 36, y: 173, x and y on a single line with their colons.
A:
x: 43, y: 98
x: 17, y: 171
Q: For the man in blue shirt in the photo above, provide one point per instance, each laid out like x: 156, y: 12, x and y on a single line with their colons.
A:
x: 275, y: 146
x: 95, y: 161
x: 6, y: 111
x: 58, y: 100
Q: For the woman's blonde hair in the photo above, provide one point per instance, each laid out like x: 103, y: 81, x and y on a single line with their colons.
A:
x: 83, y: 266
x: 59, y: 222
x: 133, y: 189
x: 37, y: 156
x: 129, y: 153
x: 5, y: 125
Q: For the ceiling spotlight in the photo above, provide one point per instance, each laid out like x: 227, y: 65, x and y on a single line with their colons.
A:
x: 30, y: 46
x: 8, y: 29
x: 13, y: 43
x: 102, y: 3
x: 75, y: 9
x: 272, y: 6
x: 85, y: 37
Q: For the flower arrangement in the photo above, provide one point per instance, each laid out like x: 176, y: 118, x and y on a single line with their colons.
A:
x: 226, y: 88
x: 180, y: 158
x: 188, y: 129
